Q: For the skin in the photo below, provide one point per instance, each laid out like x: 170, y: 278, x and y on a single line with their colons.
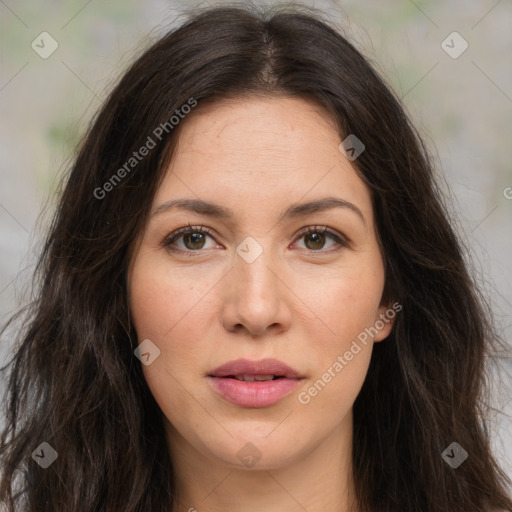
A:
x: 301, y: 301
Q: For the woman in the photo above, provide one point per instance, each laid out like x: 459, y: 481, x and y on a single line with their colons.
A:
x: 251, y: 297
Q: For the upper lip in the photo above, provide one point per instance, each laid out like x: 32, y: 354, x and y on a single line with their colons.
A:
x: 259, y: 367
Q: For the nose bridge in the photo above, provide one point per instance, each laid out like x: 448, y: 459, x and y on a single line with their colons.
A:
x: 254, y: 266
x: 255, y: 302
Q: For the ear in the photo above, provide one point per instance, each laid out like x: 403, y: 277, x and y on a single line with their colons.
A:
x: 385, y: 320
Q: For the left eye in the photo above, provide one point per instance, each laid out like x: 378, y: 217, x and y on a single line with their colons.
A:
x: 317, y: 236
x: 193, y: 239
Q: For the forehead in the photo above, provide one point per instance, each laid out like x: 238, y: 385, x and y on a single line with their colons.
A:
x: 264, y: 151
x: 278, y: 126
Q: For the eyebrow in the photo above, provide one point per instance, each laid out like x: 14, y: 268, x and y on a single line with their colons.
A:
x: 293, y: 211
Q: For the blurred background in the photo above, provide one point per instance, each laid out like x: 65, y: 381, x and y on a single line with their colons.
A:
x: 449, y: 63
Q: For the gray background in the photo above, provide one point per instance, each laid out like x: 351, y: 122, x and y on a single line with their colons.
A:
x: 461, y: 106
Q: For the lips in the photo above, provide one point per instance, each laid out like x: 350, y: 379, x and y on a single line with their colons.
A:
x: 254, y: 383
x: 261, y: 368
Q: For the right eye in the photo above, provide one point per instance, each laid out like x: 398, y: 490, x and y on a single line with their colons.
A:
x: 193, y: 239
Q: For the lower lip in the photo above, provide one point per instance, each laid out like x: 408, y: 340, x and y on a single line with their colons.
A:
x: 254, y: 393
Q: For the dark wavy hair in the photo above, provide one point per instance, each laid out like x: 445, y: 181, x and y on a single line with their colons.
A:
x: 74, y: 381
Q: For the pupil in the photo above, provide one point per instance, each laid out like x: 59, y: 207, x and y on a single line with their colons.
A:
x: 318, y: 240
x: 195, y: 237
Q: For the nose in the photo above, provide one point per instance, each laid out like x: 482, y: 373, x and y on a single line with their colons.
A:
x: 257, y: 297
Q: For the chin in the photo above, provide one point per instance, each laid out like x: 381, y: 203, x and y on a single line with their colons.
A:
x: 250, y: 451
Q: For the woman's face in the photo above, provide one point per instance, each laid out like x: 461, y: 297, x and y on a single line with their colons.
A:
x: 257, y: 173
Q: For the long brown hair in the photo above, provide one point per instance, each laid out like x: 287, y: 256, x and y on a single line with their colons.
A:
x: 74, y: 381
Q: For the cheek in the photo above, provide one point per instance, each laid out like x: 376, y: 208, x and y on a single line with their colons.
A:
x: 164, y: 303
x: 342, y: 359
x: 165, y: 309
x: 174, y: 311
x: 348, y: 303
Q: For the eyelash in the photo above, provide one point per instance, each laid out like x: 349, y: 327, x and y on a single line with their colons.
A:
x: 341, y: 240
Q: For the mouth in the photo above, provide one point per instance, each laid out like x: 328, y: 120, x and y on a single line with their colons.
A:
x: 252, y: 378
x: 254, y: 383
x: 262, y: 369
